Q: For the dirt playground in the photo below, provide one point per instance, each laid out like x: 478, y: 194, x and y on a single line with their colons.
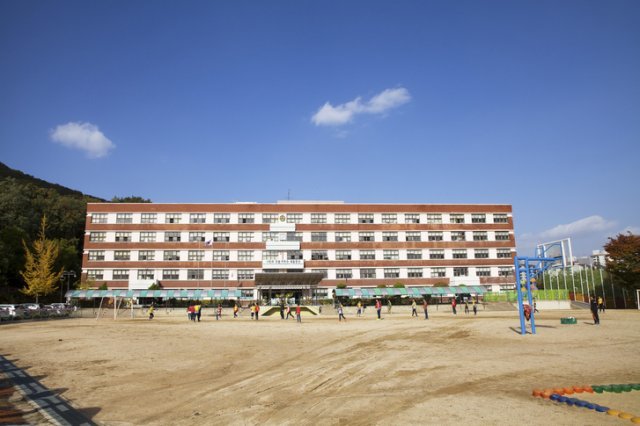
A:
x: 396, y: 371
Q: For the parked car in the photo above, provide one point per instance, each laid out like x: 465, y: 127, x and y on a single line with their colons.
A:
x: 5, y: 315
x: 32, y: 310
x: 15, y: 311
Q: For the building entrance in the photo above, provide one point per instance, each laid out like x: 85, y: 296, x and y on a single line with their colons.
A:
x: 293, y: 287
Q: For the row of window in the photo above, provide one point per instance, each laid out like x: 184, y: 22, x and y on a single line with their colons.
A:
x: 249, y: 274
x: 319, y: 218
x: 339, y: 237
x: 267, y: 255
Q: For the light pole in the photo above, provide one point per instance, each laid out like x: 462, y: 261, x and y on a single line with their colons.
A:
x: 68, y: 275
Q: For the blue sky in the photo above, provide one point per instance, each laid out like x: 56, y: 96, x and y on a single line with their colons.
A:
x: 531, y: 103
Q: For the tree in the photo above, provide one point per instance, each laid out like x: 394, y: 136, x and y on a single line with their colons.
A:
x: 130, y: 199
x: 39, y: 276
x: 624, y: 259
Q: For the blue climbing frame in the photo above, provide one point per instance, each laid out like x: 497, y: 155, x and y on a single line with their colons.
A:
x: 528, y: 268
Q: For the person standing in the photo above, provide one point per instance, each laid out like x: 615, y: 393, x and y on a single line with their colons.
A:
x: 198, y: 311
x: 281, y: 310
x: 454, y: 302
x: 594, y: 311
x: 257, y: 311
x: 359, y: 310
x: 475, y: 308
x: 219, y: 312
x: 191, y: 313
x: 253, y: 310
x: 425, y: 306
x: 298, y: 313
x: 389, y: 306
x: 600, y: 304
x: 341, y: 314
x: 150, y: 312
x: 378, y: 307
x: 235, y: 310
x: 414, y: 308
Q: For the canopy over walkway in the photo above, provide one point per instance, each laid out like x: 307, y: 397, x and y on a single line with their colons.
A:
x: 370, y: 293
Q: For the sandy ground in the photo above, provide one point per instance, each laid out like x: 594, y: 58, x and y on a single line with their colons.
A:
x: 396, y: 371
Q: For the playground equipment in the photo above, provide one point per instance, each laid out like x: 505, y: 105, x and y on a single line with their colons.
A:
x: 527, y: 269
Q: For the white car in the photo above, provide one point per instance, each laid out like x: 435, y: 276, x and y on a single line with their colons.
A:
x: 15, y: 311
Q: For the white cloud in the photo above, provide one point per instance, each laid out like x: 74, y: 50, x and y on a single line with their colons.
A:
x: 329, y: 115
x: 83, y: 136
x: 585, y: 226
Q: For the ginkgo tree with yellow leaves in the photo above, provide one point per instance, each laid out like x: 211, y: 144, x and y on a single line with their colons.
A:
x: 39, y: 275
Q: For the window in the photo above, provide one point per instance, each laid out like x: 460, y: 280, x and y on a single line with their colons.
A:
x: 246, y: 218
x: 505, y: 271
x: 319, y: 236
x: 342, y: 274
x: 221, y: 237
x: 458, y: 236
x: 481, y: 253
x: 121, y: 255
x: 500, y: 218
x: 148, y: 218
x: 99, y: 218
x: 456, y: 218
x: 365, y: 218
x: 294, y: 217
x: 195, y: 274
x: 366, y: 236
x: 96, y: 254
x: 321, y: 271
x: 170, y: 274
x: 95, y: 274
x: 294, y: 236
x: 343, y: 254
x: 196, y: 237
x: 504, y: 253
x: 146, y: 255
x: 124, y: 218
x: 502, y: 235
x: 413, y: 236
x: 434, y: 236
x: 483, y: 271
x: 438, y: 273
x: 197, y: 218
x: 367, y: 273
x: 220, y: 274
x: 411, y: 218
x: 221, y: 218
x: 480, y: 236
x: 270, y: 255
x: 171, y: 237
x: 390, y: 255
x: 146, y: 274
x: 319, y: 255
x: 97, y: 237
x: 461, y: 272
x: 389, y: 236
x: 269, y: 217
x: 389, y: 218
x: 245, y: 255
x: 245, y: 274
x: 172, y: 217
x: 147, y: 237
x: 171, y: 255
x: 367, y: 255
x: 195, y: 255
x: 391, y: 273
x: 343, y: 237
x: 414, y: 254
x: 459, y: 253
x: 123, y: 237
x: 120, y: 274
x: 270, y: 236
x: 478, y: 218
x: 414, y: 273
x: 342, y: 218
x: 434, y: 217
x: 245, y: 237
x: 294, y: 255
x: 318, y: 218
x: 436, y: 254
x: 220, y: 255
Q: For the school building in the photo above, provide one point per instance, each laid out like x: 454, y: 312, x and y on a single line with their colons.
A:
x: 304, y: 249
